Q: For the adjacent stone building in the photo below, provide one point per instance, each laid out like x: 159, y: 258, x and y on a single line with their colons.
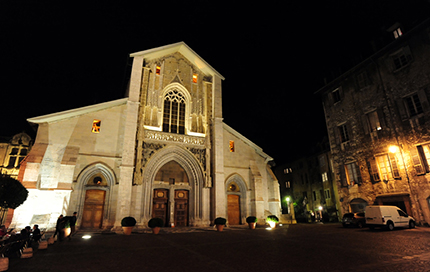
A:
x: 13, y: 150
x: 378, y: 121
x: 309, y: 183
x: 163, y: 151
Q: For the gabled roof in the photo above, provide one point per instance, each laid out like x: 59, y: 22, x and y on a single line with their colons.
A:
x: 53, y: 117
x: 182, y: 48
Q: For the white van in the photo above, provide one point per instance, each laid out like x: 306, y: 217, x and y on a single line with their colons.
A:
x: 387, y: 216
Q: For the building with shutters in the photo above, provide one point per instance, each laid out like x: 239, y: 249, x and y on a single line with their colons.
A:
x: 378, y: 121
x: 163, y: 151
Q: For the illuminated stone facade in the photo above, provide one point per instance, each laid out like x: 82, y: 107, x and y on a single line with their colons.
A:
x: 378, y: 121
x: 161, y: 151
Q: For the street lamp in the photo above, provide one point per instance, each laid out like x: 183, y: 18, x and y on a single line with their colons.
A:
x: 288, y: 204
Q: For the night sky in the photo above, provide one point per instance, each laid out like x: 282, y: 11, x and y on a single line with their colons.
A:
x: 55, y: 57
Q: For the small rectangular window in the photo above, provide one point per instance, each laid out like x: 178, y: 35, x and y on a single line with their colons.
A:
x: 96, y: 126
x: 157, y: 70
x: 231, y: 146
x: 195, y: 78
x: 397, y: 33
x: 336, y: 95
x: 343, y: 132
x: 413, y: 105
x: 402, y: 58
x: 353, y: 174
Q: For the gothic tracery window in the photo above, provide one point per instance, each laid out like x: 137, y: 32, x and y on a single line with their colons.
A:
x: 174, y: 112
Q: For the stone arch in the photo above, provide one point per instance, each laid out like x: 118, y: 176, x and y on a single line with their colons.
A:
x: 197, y: 206
x: 84, y: 183
x: 241, y: 192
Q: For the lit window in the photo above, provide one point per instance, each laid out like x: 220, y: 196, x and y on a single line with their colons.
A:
x: 397, y: 33
x: 231, y: 146
x: 343, y: 132
x: 96, y: 126
x: 157, y: 70
x: 324, y: 177
x: 194, y: 78
x: 353, y: 175
x: 388, y: 168
x: 174, y: 112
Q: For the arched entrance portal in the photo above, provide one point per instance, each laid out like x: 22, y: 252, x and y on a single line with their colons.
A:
x: 236, y: 197
x: 94, y: 197
x: 174, y: 188
x: 170, y: 196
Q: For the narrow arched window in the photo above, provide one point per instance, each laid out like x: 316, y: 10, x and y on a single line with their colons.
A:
x: 174, y: 112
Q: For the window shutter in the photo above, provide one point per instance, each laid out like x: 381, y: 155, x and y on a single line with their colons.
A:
x: 423, y: 99
x: 373, y: 170
x: 343, y: 177
x: 365, y: 124
x: 394, y: 166
x: 416, y: 160
x: 381, y: 118
x: 402, y: 109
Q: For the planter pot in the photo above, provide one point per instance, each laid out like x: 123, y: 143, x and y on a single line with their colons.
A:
x: 27, y: 253
x: 155, y: 230
x: 252, y: 225
x: 51, y: 240
x: 43, y: 245
x: 127, y: 230
x: 67, y: 232
x: 219, y: 227
x: 4, y: 263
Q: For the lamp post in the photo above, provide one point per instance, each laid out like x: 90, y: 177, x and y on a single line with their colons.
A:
x: 288, y: 204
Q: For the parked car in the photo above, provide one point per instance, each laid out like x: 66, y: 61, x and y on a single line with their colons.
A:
x: 388, y: 216
x: 354, y: 219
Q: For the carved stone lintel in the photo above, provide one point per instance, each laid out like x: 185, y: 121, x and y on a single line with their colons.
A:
x: 150, y: 135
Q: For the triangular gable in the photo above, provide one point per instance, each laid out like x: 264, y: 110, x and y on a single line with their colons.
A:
x: 53, y: 117
x: 182, y: 48
x: 257, y: 149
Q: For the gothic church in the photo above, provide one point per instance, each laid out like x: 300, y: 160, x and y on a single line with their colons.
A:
x: 163, y: 151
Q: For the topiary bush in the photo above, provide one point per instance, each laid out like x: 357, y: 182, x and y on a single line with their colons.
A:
x: 128, y: 221
x: 272, y: 218
x: 155, y: 222
x: 220, y: 221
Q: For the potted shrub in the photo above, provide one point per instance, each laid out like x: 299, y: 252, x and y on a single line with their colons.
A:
x: 220, y: 223
x: 252, y: 222
x: 272, y: 220
x: 127, y: 224
x: 155, y: 224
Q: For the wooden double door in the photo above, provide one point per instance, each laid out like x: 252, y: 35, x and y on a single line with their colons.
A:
x: 92, y: 216
x: 162, y: 206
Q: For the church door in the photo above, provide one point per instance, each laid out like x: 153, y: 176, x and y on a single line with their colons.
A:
x: 160, y: 205
x: 92, y: 217
x: 181, y: 208
x: 233, y: 206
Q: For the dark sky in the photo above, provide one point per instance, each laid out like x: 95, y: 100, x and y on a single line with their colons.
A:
x: 274, y: 56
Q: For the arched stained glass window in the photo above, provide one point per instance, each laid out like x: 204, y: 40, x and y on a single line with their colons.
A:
x: 174, y: 112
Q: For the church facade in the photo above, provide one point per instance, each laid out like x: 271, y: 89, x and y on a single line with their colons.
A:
x: 163, y: 151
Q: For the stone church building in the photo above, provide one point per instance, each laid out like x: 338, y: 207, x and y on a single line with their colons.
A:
x: 163, y: 151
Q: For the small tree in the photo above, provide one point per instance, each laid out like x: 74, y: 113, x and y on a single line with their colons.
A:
x: 12, y: 194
